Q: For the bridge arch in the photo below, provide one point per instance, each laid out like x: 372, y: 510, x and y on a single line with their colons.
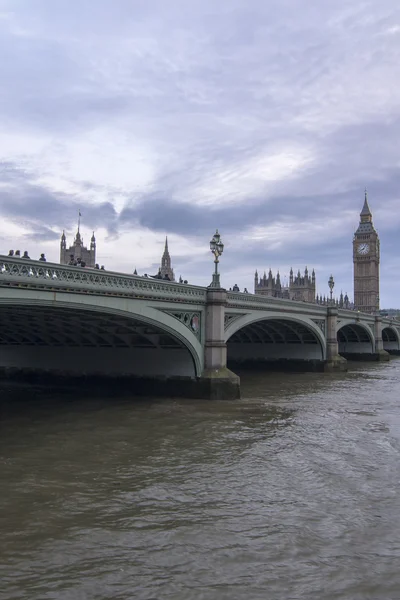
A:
x: 95, y: 335
x: 391, y: 338
x: 355, y: 338
x: 272, y: 337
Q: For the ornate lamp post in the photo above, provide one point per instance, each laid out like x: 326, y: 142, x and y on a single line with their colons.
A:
x: 331, y: 284
x: 217, y: 248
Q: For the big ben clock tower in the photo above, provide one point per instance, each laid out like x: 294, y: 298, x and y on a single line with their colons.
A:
x: 366, y: 263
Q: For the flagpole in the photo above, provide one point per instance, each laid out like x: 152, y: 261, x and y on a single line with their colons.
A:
x: 79, y: 219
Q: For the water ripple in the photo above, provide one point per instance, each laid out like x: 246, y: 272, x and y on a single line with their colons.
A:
x: 290, y: 493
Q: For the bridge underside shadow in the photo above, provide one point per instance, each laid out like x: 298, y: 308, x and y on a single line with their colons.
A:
x: 390, y: 341
x: 356, y: 342
x: 39, y: 342
x: 276, y: 345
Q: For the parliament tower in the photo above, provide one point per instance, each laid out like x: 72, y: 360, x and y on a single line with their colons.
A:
x: 166, y: 268
x: 366, y: 263
x: 78, y: 250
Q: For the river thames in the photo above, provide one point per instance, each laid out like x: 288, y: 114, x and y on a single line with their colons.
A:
x: 290, y: 493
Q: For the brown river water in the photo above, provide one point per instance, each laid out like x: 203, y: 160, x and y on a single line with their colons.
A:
x: 290, y: 493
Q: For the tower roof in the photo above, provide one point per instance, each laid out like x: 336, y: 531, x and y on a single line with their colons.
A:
x: 365, y: 225
x: 166, y: 268
x: 166, y: 251
x: 366, y: 211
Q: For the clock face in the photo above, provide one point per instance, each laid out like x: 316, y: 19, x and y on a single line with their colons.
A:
x: 363, y: 249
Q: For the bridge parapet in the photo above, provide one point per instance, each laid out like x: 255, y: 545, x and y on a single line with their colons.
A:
x: 356, y: 315
x: 239, y: 299
x: 366, y: 318
x: 52, y: 276
x: 258, y: 302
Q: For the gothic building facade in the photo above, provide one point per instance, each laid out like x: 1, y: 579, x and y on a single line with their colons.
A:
x: 366, y: 259
x: 78, y: 250
x: 301, y: 287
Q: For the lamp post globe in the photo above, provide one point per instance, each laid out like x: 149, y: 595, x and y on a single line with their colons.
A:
x: 217, y: 248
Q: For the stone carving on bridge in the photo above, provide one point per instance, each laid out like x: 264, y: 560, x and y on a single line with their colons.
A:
x: 230, y: 317
x: 192, y: 320
x: 321, y: 324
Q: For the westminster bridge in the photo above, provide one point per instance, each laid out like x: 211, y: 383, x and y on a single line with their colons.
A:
x: 68, y: 321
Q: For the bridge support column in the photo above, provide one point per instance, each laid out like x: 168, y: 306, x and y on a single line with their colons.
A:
x: 381, y: 354
x: 217, y: 381
x: 334, y: 362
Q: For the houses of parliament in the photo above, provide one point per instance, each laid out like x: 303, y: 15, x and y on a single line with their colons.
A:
x: 301, y: 286
x: 366, y: 259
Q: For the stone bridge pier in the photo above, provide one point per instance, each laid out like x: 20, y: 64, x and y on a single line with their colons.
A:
x: 380, y: 352
x: 334, y: 361
x: 217, y: 380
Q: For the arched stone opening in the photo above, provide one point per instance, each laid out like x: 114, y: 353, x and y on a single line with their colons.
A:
x: 276, y: 344
x: 354, y: 339
x: 390, y: 340
x: 79, y: 341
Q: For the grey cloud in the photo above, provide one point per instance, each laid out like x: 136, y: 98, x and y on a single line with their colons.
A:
x: 42, y: 234
x: 210, y: 87
x: 44, y: 212
x: 162, y: 214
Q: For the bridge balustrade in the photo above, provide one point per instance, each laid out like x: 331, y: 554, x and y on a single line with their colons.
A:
x: 45, y: 275
x: 240, y: 298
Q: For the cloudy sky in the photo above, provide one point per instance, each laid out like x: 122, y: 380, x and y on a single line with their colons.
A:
x: 264, y: 118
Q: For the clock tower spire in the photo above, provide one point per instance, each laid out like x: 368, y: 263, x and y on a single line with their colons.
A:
x: 366, y: 259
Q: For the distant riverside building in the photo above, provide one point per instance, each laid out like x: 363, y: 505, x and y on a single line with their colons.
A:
x: 366, y: 258
x: 78, y: 250
x: 301, y: 287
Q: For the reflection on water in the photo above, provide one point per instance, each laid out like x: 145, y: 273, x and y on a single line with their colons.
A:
x: 289, y: 493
